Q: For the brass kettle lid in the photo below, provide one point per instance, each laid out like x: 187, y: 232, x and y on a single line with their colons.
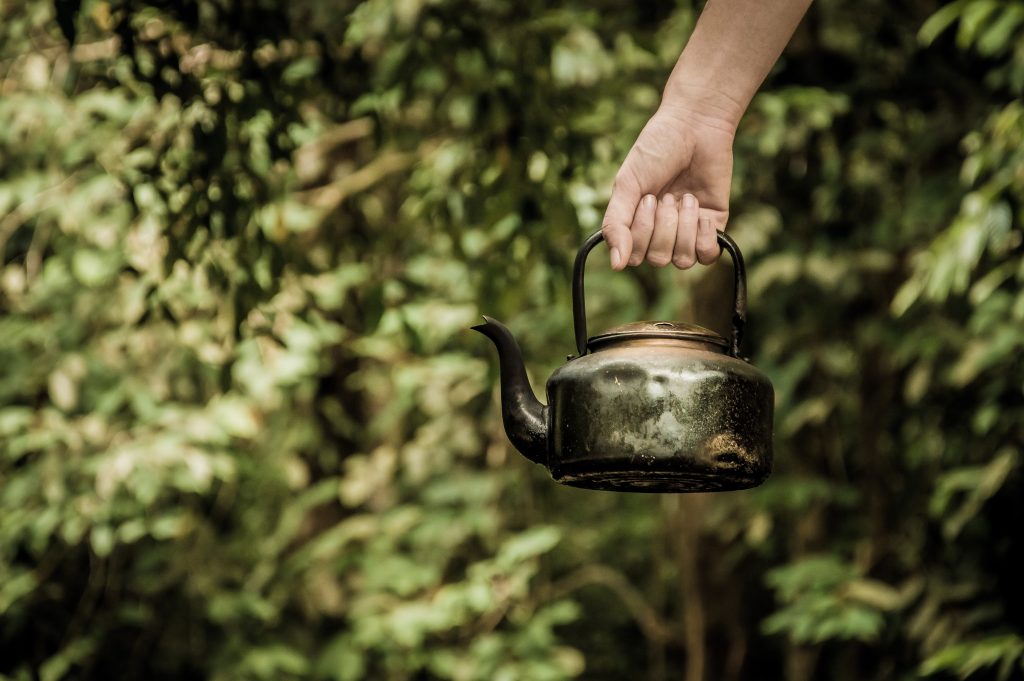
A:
x: 657, y: 330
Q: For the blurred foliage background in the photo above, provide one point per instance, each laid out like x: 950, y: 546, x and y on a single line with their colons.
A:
x: 245, y: 433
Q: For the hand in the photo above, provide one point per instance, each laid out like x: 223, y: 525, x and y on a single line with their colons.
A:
x: 672, y: 192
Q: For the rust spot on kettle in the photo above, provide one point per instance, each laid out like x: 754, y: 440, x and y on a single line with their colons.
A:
x: 724, y: 449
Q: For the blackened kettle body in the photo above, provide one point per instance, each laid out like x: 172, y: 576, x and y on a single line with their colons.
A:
x: 644, y: 407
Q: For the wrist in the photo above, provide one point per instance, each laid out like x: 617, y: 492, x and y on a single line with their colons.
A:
x: 702, y: 104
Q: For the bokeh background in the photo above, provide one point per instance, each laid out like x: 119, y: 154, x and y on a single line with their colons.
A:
x: 246, y: 434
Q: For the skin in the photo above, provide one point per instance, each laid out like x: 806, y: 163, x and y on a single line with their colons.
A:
x: 672, y: 192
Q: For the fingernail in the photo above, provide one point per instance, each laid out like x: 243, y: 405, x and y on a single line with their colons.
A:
x: 649, y: 201
x: 689, y: 201
x: 668, y: 199
x: 616, y: 258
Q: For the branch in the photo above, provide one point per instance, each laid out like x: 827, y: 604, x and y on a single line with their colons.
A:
x: 650, y: 622
x: 332, y: 195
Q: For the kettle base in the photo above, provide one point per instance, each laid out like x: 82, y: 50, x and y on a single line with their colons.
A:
x: 663, y: 481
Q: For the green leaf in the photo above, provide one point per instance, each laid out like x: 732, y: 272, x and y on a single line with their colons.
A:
x: 102, y: 540
x: 974, y: 16
x: 529, y: 544
x: 341, y: 661
x: 93, y: 268
x: 940, y: 21
x: 14, y: 588
x: 59, y: 666
x: 1001, y: 34
x: 273, y: 661
x: 970, y: 657
x: 973, y: 485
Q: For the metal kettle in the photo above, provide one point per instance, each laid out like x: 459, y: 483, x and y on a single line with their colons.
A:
x: 644, y: 407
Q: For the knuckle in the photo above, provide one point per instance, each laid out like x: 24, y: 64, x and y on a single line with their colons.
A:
x: 659, y: 259
x: 684, y: 262
x: 707, y: 255
x: 615, y: 234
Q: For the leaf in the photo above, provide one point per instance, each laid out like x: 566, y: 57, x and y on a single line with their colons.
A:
x: 63, y: 390
x: 58, y: 666
x: 1000, y: 34
x: 341, y: 661
x: 300, y: 70
x: 102, y: 540
x: 824, y: 599
x: 93, y: 268
x: 579, y: 59
x: 529, y: 544
x: 238, y: 417
x: 940, y: 21
x: 973, y: 18
x: 874, y: 593
x: 976, y: 485
x: 970, y: 657
x: 273, y: 661
x: 16, y: 587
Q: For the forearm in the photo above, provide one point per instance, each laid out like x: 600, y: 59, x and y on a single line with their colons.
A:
x: 731, y: 50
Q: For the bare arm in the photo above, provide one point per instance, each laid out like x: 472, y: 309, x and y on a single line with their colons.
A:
x: 672, y: 191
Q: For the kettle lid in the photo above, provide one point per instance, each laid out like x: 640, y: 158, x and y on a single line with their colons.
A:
x: 657, y: 330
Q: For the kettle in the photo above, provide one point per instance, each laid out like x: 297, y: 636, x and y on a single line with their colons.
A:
x: 646, y: 406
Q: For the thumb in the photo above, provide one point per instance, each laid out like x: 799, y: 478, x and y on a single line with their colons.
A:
x: 615, y: 226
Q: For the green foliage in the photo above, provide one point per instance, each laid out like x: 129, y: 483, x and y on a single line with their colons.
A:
x: 826, y: 599
x: 244, y: 433
x: 968, y: 658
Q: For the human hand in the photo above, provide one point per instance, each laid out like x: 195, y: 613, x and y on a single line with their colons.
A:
x: 671, y: 194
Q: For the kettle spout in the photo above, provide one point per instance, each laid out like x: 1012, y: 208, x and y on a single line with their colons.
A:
x: 524, y: 416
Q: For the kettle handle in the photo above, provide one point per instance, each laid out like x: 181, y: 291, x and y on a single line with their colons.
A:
x: 739, y: 306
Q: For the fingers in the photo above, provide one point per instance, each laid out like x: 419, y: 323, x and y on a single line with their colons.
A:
x: 666, y: 221
x: 683, y: 255
x: 661, y: 232
x: 617, y: 219
x: 707, y: 246
x: 643, y: 228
